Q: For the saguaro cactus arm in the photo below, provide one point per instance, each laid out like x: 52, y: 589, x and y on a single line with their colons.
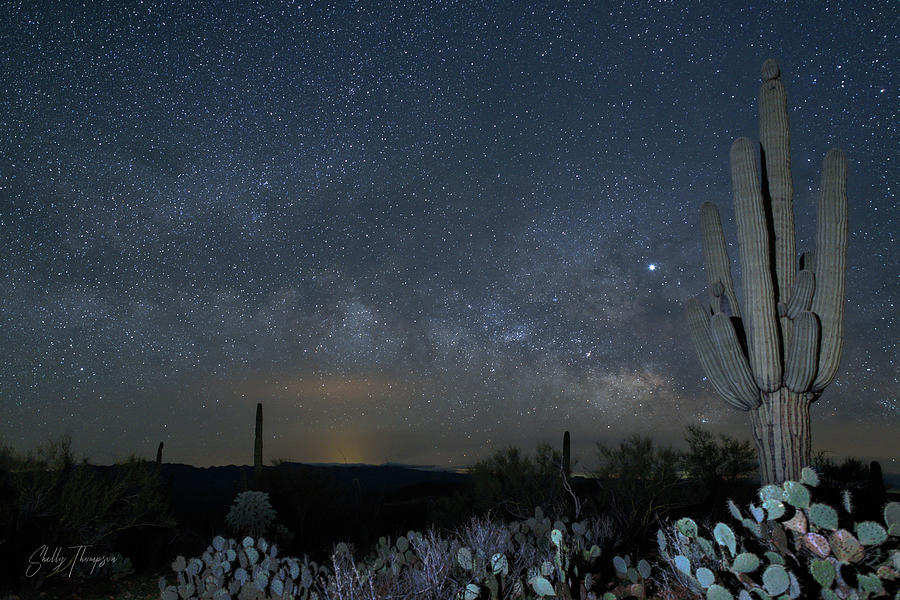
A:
x: 800, y: 363
x: 712, y: 361
x: 831, y: 265
x: 736, y: 368
x: 801, y: 297
x: 759, y: 293
x: 716, y: 261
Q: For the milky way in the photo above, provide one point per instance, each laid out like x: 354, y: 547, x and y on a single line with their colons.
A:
x: 416, y: 233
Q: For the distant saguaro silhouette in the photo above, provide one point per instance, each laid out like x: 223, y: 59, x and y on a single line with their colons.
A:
x: 257, y: 448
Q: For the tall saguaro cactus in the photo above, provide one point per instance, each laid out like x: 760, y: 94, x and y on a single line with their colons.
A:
x: 567, y: 454
x: 776, y: 356
x: 257, y: 445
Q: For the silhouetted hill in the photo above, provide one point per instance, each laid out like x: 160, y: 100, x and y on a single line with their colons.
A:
x: 892, y: 481
x: 215, y: 487
x: 212, y: 482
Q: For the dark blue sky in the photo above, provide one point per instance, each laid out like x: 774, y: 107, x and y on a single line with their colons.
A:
x: 414, y: 233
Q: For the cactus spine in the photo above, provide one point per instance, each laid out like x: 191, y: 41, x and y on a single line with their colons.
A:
x: 567, y: 455
x: 159, y: 453
x: 779, y: 355
x: 257, y: 446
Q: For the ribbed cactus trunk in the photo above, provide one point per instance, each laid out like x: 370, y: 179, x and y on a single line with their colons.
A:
x: 257, y: 445
x: 781, y: 432
x: 159, y: 453
x: 776, y: 357
x: 567, y: 454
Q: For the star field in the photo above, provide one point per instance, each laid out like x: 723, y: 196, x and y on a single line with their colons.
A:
x: 414, y: 232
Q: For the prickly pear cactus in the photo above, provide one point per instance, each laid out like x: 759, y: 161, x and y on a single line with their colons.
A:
x: 792, y: 317
x: 794, y: 547
x: 567, y: 566
x: 634, y: 579
x: 246, y: 570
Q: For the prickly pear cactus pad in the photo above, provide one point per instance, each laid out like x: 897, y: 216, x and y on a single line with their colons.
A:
x: 802, y: 552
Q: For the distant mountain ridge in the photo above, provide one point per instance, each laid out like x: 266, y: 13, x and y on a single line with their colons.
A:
x: 393, y: 475
x: 221, y: 483
x: 892, y: 481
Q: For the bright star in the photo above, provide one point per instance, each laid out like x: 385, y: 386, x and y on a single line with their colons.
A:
x: 651, y: 267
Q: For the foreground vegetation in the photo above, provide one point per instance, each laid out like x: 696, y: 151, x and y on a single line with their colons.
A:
x: 770, y: 555
x: 520, y: 528
x: 789, y: 543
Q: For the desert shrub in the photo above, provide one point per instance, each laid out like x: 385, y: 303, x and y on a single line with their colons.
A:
x: 8, y: 458
x: 716, y: 465
x: 140, y: 498
x: 485, y: 536
x: 515, y: 484
x: 638, y: 483
x: 437, y: 556
x: 61, y: 502
x: 853, y: 472
x: 54, y: 454
x: 77, y: 502
x: 9, y: 568
x: 717, y: 461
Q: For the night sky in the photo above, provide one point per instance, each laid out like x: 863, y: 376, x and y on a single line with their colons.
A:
x: 414, y: 233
